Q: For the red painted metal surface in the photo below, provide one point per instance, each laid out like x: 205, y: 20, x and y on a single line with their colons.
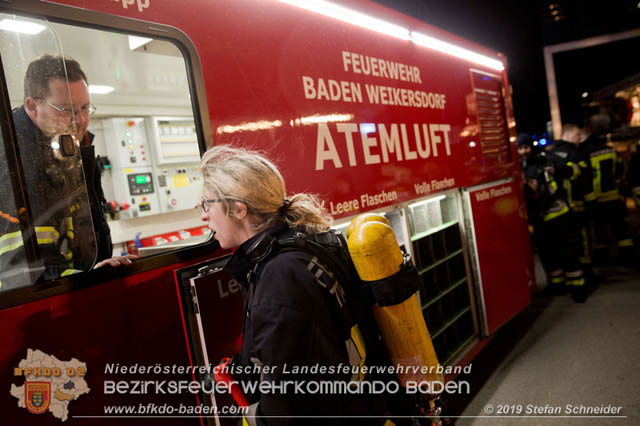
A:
x: 286, y: 80
x: 131, y: 321
x: 503, y: 251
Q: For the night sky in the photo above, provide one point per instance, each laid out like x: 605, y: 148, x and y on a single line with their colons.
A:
x: 520, y: 30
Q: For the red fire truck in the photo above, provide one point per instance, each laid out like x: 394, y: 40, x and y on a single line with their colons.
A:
x: 370, y: 109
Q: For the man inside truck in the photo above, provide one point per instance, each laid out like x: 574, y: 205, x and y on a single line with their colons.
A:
x: 56, y: 104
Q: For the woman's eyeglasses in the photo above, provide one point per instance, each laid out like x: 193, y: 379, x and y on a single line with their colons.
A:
x: 205, y: 204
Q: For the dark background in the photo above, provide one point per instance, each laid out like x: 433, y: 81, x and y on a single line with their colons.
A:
x: 521, y: 28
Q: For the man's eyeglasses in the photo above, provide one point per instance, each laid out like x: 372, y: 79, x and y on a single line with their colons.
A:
x: 86, y: 110
x: 205, y: 204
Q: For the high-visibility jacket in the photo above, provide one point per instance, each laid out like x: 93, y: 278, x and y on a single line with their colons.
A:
x: 607, y: 168
x: 575, y: 173
x: 55, y: 189
x: 548, y: 201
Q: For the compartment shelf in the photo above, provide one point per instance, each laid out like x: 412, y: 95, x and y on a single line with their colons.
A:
x: 437, y: 262
x: 443, y: 292
x: 449, y: 322
x: 433, y: 230
x: 438, y: 253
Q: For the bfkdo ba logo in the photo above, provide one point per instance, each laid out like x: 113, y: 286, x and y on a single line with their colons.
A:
x: 50, y: 384
x: 37, y: 396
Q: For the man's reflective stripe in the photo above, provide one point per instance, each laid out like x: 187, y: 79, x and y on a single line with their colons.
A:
x: 70, y: 272
x: 627, y: 242
x: 70, y: 228
x: 553, y: 213
x: 557, y: 276
x: 609, y: 196
x: 575, y: 282
x: 576, y: 170
x: 575, y: 278
x: 596, y: 159
x: 47, y: 234
x: 12, y: 241
x: 577, y: 205
x: 9, y: 242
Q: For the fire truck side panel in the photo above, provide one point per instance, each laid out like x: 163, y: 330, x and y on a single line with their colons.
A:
x: 133, y: 321
x: 504, y: 274
x: 293, y: 83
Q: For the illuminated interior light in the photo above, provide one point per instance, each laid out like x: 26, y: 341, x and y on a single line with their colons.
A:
x: 457, y: 51
x: 351, y: 16
x: 250, y: 127
x: 135, y: 42
x: 472, y: 144
x: 330, y: 118
x: 366, y: 128
x: 535, y: 143
x: 97, y: 89
x: 513, y: 139
x: 22, y: 27
x: 430, y: 200
x: 585, y: 94
x: 55, y: 145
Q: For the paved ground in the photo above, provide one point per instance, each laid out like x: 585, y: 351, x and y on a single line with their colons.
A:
x: 557, y: 353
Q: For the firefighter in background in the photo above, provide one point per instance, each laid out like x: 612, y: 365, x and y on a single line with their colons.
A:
x: 549, y: 215
x: 608, y: 207
x: 576, y: 175
x: 70, y: 227
x: 525, y: 150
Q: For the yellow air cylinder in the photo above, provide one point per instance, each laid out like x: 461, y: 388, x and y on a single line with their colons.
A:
x: 365, y: 217
x: 376, y: 255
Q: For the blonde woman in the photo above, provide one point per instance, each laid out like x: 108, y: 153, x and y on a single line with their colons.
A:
x: 294, y: 314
